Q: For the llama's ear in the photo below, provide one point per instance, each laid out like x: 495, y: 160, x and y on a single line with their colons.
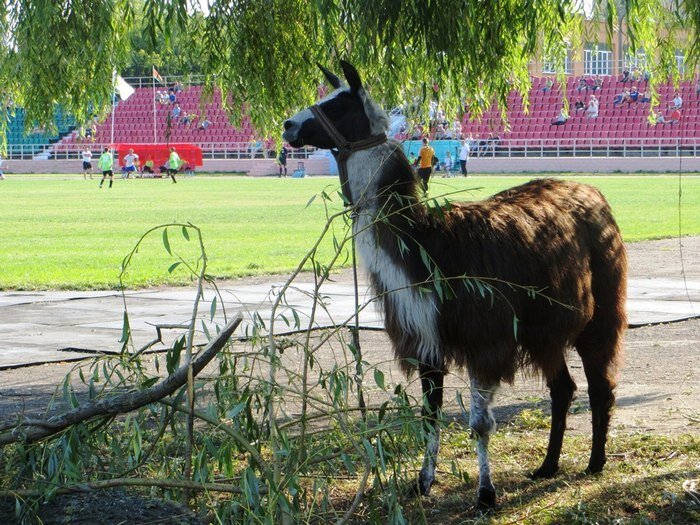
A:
x: 332, y: 79
x: 352, y: 76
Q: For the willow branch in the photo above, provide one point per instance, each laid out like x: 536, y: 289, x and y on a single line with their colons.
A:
x: 28, y: 431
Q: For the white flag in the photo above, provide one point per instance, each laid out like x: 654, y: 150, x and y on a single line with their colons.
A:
x: 123, y: 88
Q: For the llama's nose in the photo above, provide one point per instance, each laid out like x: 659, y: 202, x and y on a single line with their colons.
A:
x: 288, y: 124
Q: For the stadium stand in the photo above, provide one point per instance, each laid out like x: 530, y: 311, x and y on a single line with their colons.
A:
x: 134, y: 122
x: 21, y: 142
x: 628, y: 121
x: 624, y: 126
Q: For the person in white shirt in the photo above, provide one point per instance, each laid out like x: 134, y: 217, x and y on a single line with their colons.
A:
x: 2, y: 175
x: 131, y: 159
x: 86, y: 155
x: 464, y: 157
x: 677, y: 101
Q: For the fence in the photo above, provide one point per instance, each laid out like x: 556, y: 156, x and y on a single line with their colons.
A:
x: 506, y: 148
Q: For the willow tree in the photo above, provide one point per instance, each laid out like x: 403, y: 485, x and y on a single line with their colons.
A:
x: 262, y: 53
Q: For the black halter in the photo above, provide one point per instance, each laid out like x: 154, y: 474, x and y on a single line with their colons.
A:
x: 344, y: 148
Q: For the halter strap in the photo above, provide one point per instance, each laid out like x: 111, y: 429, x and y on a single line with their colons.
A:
x: 344, y: 148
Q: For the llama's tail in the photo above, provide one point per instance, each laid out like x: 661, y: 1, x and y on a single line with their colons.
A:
x: 601, y: 340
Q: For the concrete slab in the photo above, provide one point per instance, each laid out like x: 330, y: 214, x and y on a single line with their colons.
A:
x: 38, y: 326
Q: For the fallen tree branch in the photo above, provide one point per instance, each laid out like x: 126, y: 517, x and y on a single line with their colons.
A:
x: 29, y: 430
x: 129, y: 482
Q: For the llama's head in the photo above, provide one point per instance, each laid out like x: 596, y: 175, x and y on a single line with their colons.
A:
x: 353, y: 113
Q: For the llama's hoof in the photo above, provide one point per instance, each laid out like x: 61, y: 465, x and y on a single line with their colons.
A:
x: 423, y: 484
x: 486, y: 502
x: 544, y: 472
x: 594, y: 468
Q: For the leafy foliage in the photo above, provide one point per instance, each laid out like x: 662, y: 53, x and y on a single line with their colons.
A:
x: 263, y: 54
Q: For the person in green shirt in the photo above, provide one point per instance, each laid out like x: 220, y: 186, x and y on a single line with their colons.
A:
x: 173, y: 164
x: 105, y: 164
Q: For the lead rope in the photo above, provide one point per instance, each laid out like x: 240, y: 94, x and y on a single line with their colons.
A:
x: 355, y: 331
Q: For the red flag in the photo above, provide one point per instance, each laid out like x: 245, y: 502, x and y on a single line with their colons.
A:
x: 157, y: 76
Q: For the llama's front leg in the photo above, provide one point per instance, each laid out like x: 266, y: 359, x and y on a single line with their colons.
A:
x: 483, y: 424
x: 431, y: 382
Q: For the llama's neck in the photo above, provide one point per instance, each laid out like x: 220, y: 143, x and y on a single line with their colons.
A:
x: 384, y: 192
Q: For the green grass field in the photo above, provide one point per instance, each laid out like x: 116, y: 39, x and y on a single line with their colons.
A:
x: 62, y: 232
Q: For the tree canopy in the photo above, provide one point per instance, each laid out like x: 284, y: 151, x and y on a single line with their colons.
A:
x: 262, y: 54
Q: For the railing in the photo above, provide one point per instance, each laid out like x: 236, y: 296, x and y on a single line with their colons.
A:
x: 506, y: 148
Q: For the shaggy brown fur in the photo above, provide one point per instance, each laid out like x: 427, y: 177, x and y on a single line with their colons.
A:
x: 514, y: 280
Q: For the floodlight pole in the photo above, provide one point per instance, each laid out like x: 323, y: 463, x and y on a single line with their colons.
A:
x: 114, y: 109
x: 155, y: 133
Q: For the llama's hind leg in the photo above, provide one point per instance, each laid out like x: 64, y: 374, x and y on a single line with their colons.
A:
x: 601, y: 384
x: 482, y: 423
x: 431, y: 383
x: 561, y: 391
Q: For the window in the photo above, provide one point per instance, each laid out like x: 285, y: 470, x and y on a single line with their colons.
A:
x: 638, y: 60
x: 549, y: 64
x: 597, y: 60
x: 680, y: 62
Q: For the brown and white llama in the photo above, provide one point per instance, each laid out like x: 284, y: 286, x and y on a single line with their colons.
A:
x: 547, y: 254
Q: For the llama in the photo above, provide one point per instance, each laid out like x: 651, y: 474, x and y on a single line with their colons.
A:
x: 513, y: 281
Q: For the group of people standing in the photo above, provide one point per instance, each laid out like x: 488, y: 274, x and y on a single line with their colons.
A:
x: 131, y: 163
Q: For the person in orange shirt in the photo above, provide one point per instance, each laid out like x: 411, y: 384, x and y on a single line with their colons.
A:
x: 425, y: 163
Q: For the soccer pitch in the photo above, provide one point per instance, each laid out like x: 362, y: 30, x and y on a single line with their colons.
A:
x: 62, y: 232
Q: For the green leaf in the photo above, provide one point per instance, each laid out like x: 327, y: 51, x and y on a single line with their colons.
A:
x: 515, y: 327
x: 312, y: 199
x: 172, y: 267
x: 212, y: 309
x: 126, y: 329
x: 379, y: 378
x: 166, y: 242
x: 185, y: 233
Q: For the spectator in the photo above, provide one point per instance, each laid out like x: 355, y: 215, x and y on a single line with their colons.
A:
x: 675, y: 116
x: 87, y: 162
x: 635, y: 75
x: 464, y: 156
x: 677, y: 101
x: 2, y: 174
x: 425, y: 163
x: 621, y: 97
x: 282, y: 161
x: 697, y: 88
x: 561, y: 119
x: 625, y: 75
x: 660, y: 119
x: 592, y: 109
x: 204, y: 124
x: 633, y: 95
x: 548, y: 85
x: 582, y: 84
x: 176, y: 111
x: 412, y: 160
x: 177, y: 87
x: 644, y: 98
x: 448, y: 162
x: 597, y: 83
x: 579, y: 105
x: 188, y: 119
x: 172, y: 97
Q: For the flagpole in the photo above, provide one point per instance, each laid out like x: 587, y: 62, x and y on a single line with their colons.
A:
x: 114, y: 108
x: 155, y: 133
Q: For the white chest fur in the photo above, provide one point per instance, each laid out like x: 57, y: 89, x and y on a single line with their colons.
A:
x: 415, y: 311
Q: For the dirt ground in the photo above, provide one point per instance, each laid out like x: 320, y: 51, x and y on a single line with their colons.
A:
x: 657, y: 391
